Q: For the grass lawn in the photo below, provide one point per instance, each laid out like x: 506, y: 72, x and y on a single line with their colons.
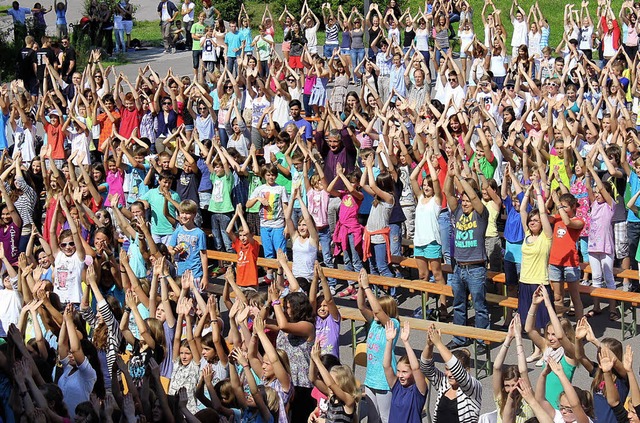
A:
x: 148, y: 32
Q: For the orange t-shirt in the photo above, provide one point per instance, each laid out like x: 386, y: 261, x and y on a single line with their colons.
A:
x: 247, y: 266
x: 55, y: 138
x: 106, y: 127
x: 564, y: 251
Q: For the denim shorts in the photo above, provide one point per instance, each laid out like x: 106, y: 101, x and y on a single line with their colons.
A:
x: 430, y: 251
x: 564, y: 273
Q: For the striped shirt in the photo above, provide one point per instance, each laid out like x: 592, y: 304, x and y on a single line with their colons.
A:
x: 383, y: 62
x: 332, y: 35
x: 114, y: 335
x: 544, y: 38
x: 469, y: 394
x: 25, y: 204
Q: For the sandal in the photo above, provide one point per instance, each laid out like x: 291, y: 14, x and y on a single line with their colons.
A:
x: 614, y: 316
x: 533, y: 358
x: 347, y: 292
x: 593, y: 313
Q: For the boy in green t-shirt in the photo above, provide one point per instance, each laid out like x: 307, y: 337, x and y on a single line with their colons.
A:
x: 220, y: 205
x: 197, y: 32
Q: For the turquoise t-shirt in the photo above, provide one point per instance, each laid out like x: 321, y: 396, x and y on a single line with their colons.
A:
x: 160, y: 225
x: 221, y: 193
x: 376, y: 343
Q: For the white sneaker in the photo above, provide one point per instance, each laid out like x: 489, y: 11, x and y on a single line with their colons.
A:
x: 585, y: 283
x: 540, y: 362
x: 173, y: 50
x: 333, y: 290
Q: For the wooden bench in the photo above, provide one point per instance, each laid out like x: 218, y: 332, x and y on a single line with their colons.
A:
x: 623, y: 298
x: 487, y: 335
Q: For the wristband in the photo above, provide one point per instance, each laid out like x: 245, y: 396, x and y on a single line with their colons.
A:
x: 127, y: 309
x: 275, y: 303
x: 366, y: 287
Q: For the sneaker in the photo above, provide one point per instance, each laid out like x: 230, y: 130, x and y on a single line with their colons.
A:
x: 585, y: 283
x: 417, y: 313
x: 165, y: 52
x: 347, y: 292
x: 332, y: 289
x: 540, y: 362
x: 453, y: 345
x: 173, y: 50
x: 267, y: 280
x: 482, y: 349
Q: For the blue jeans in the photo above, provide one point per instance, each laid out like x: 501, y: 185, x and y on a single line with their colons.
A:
x: 357, y: 56
x: 351, y: 257
x: 295, y: 216
x: 219, y: 223
x: 427, y: 56
x: 439, y: 54
x: 324, y: 236
x: 381, y: 267
x: 469, y: 279
x: 120, y: 44
x: 395, y: 236
x: 224, y: 137
x: 273, y: 240
x: 231, y: 64
x: 328, y: 50
x: 444, y: 223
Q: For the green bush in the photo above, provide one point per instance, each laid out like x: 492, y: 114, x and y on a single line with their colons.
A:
x: 11, y: 51
x: 229, y: 9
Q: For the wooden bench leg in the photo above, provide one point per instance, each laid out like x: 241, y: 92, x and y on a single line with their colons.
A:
x: 630, y: 328
x: 487, y: 368
x: 353, y: 337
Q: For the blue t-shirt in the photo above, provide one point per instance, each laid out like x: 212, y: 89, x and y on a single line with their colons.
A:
x: 632, y: 187
x: 137, y: 187
x: 367, y: 200
x: 233, y: 40
x: 406, y: 403
x: 245, y: 35
x: 513, y: 231
x: 3, y: 131
x: 192, y: 241
x: 603, y: 411
x: 302, y: 123
x: 376, y: 343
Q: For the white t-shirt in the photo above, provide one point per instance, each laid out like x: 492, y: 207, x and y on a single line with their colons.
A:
x: 311, y: 34
x: 188, y: 8
x: 68, y: 278
x: 10, y: 306
x: 519, y: 36
x: 585, y: 42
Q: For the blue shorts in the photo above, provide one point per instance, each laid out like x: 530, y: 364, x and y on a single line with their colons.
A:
x: 564, y: 273
x: 345, y: 52
x: 432, y: 251
x: 272, y: 240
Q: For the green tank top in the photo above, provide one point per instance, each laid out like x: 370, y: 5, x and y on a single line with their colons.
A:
x: 553, y: 385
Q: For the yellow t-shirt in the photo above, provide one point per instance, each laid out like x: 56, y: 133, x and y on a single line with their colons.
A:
x: 535, y: 260
x: 492, y: 224
x: 562, y: 171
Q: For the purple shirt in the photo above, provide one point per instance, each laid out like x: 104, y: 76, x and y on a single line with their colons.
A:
x: 10, y: 238
x: 601, y: 230
x: 345, y: 155
x: 328, y: 334
x: 406, y: 403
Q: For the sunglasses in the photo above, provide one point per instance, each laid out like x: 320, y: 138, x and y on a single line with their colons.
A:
x: 228, y: 87
x: 291, y: 80
x: 452, y: 79
x: 166, y: 104
x: 68, y: 244
x: 202, y: 108
x: 552, y: 84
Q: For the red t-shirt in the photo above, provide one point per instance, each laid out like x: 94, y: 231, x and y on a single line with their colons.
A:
x: 129, y: 121
x: 247, y: 266
x: 55, y: 138
x: 564, y: 251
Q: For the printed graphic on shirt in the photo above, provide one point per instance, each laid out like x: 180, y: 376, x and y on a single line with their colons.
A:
x: 465, y: 230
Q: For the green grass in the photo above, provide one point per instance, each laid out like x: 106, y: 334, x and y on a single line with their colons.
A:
x: 148, y: 32
x: 5, y: 8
